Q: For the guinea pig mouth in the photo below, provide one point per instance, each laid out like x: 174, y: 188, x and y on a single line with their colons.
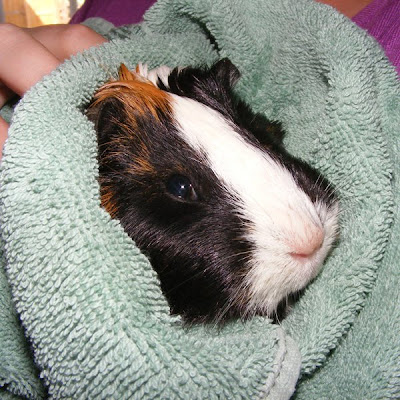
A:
x: 287, y: 264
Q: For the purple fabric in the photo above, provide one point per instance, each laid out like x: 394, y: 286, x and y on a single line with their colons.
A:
x: 118, y: 12
x: 381, y: 19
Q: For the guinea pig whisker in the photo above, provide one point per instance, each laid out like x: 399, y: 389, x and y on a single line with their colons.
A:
x: 248, y: 313
x: 223, y: 312
x: 244, y: 256
x: 277, y: 316
x: 188, y: 280
x: 318, y: 182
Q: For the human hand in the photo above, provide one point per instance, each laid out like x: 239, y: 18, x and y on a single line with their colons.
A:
x: 26, y: 55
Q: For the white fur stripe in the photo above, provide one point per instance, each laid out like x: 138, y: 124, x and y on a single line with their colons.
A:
x: 281, y: 218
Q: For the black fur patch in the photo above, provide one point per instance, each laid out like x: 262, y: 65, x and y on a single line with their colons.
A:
x: 214, y: 88
x: 196, y: 247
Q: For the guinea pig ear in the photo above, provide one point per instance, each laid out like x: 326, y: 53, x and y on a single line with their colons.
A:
x: 211, y: 86
x: 225, y: 72
x: 104, y: 116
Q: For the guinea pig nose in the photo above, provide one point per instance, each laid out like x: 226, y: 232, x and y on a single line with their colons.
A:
x: 307, y: 246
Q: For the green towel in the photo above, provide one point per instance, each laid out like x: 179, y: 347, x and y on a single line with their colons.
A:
x: 95, y: 323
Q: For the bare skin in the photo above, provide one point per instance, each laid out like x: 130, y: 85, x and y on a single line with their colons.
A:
x: 32, y: 53
x: 350, y: 8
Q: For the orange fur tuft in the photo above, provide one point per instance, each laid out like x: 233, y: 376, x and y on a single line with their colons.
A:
x: 137, y: 94
x: 108, y: 201
x: 138, y: 98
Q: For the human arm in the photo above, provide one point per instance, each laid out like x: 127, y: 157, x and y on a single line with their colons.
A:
x: 26, y: 55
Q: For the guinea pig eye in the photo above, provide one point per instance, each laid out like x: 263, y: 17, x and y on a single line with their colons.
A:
x: 180, y: 186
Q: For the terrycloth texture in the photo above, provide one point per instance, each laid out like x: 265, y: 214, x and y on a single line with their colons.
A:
x: 90, y: 302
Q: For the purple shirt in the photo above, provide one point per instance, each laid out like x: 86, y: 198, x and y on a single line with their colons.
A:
x: 381, y: 19
x: 118, y: 12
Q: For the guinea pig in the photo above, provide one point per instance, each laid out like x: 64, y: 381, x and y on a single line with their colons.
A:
x: 231, y: 223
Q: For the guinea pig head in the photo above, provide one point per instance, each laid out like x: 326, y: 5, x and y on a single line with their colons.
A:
x: 230, y: 221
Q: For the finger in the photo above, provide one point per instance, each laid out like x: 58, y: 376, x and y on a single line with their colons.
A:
x: 66, y: 40
x: 3, y: 134
x: 24, y: 60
